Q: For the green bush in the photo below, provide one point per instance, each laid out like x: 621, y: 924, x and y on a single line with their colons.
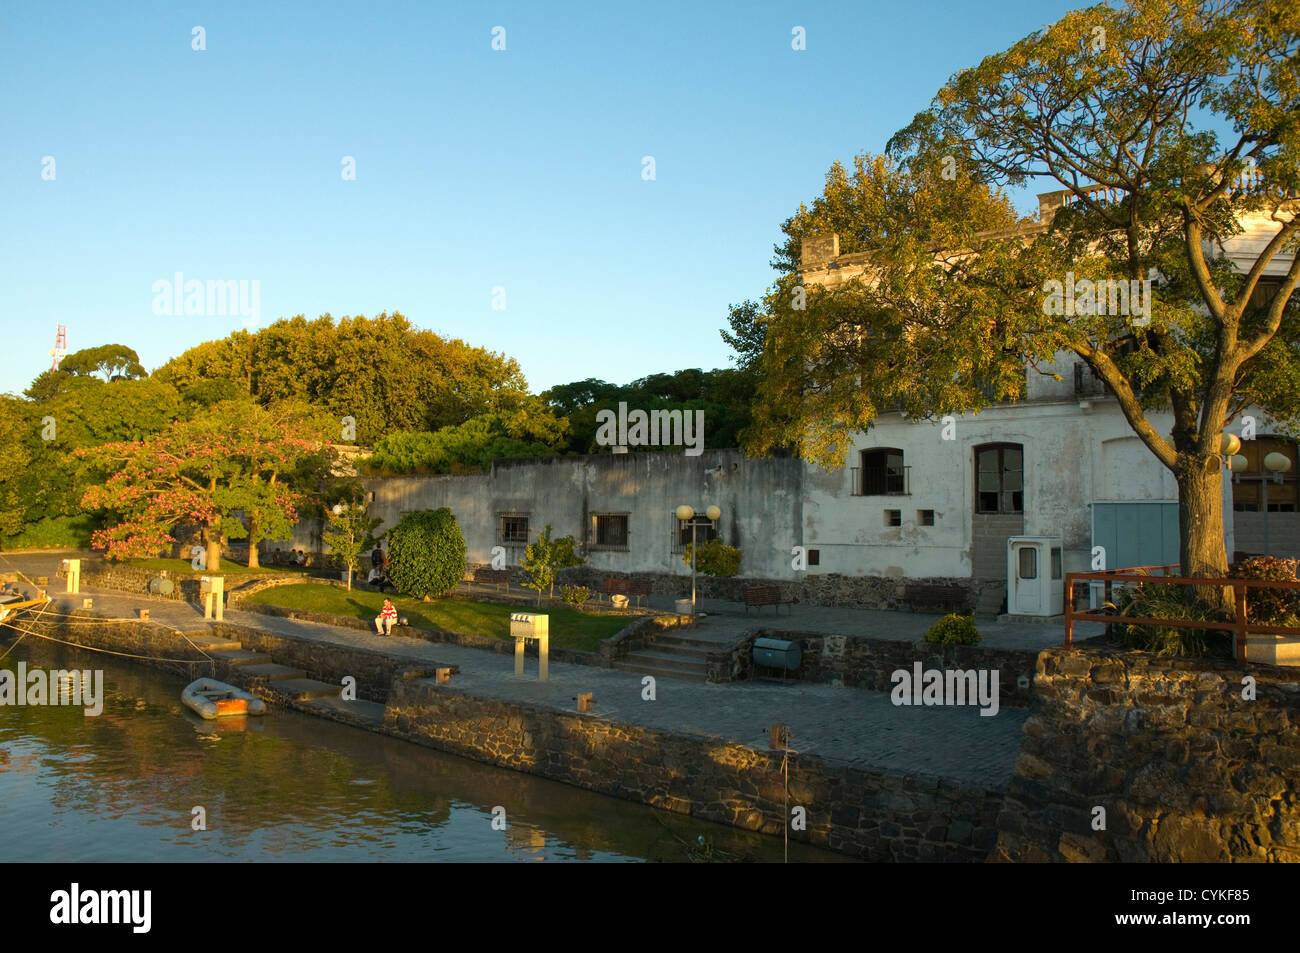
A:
x: 575, y: 595
x: 954, y: 629
x: 1269, y: 606
x: 1153, y: 600
x: 426, y: 553
x: 715, y: 558
x: 53, y: 532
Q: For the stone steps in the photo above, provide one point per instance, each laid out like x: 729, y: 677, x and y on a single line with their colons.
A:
x: 272, y: 672
x: 212, y: 643
x: 686, y: 675
x: 358, y: 712
x: 240, y: 657
x: 307, y: 689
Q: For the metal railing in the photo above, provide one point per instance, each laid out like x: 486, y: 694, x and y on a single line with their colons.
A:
x: 1241, y: 626
x: 881, y: 481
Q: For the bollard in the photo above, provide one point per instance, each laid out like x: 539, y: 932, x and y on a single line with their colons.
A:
x: 584, y: 701
x: 144, y: 615
x: 442, y: 675
x: 87, y: 603
x: 778, y: 737
x: 73, y: 568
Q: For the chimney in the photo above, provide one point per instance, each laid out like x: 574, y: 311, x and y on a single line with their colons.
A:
x: 817, y: 250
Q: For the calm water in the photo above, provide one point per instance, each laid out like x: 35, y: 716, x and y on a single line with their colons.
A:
x: 291, y: 787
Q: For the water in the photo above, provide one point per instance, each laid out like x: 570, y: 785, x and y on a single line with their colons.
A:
x: 292, y: 787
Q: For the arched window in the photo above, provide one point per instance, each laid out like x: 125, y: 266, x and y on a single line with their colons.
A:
x: 999, y: 478
x: 881, y: 473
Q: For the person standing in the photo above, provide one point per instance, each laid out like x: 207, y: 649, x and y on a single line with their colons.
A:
x: 377, y: 558
x: 386, y: 619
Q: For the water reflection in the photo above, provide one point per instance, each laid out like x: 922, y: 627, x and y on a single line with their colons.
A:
x: 123, y: 787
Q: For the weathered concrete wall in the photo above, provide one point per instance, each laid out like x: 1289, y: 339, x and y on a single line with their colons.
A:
x: 873, y: 815
x: 760, y: 502
x: 1185, y: 768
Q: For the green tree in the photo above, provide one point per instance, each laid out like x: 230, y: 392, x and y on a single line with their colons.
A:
x: 111, y: 360
x: 349, y: 533
x: 381, y: 371
x: 545, y: 557
x: 426, y: 553
x: 221, y: 471
x: 1163, y: 104
x: 530, y: 431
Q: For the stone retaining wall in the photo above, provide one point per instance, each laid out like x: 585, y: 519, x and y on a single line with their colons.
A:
x: 1185, y: 768
x: 135, y: 579
x: 814, y: 589
x: 860, y: 662
x: 868, y: 814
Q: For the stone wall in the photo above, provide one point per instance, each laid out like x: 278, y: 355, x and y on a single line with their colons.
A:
x: 869, y: 663
x: 817, y: 589
x: 135, y: 579
x: 872, y: 815
x: 1185, y: 768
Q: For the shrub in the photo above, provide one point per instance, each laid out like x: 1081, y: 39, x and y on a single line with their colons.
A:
x: 954, y: 629
x: 715, y: 558
x: 1269, y: 606
x: 575, y: 595
x: 545, y: 557
x: 1153, y: 600
x: 426, y: 553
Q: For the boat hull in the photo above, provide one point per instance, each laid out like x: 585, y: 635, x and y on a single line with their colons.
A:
x: 209, y: 698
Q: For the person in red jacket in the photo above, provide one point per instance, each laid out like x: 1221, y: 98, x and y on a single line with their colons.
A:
x: 386, y: 619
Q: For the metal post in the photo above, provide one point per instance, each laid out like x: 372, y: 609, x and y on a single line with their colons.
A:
x: 1239, y: 590
x: 694, y: 556
x: 1264, y: 505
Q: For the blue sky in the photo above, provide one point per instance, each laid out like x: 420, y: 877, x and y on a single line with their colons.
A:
x: 475, y: 169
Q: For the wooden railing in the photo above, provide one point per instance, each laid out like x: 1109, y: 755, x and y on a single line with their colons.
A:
x: 1241, y: 626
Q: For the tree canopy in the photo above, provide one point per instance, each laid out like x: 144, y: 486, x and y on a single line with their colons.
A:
x: 1171, y: 126
x: 381, y: 371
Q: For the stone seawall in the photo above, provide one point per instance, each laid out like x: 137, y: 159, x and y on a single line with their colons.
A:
x: 873, y: 815
x: 1184, y: 767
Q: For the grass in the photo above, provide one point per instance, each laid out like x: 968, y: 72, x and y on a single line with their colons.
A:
x: 569, y: 629
x: 228, y: 568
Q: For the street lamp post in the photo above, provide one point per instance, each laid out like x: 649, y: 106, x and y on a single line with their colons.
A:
x: 686, y: 512
x: 1276, y: 464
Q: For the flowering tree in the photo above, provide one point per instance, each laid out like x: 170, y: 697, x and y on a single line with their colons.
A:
x: 230, y: 472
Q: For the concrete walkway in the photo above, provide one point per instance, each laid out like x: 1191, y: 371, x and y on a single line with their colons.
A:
x: 852, y: 726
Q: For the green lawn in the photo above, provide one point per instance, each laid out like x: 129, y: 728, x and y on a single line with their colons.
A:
x: 569, y: 629
x: 228, y: 568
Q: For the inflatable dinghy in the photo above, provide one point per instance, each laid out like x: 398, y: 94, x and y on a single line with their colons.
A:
x: 210, y: 698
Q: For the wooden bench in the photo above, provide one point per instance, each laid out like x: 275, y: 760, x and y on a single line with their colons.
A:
x: 493, y: 577
x: 764, y: 596
x: 943, y: 598
x: 632, y: 588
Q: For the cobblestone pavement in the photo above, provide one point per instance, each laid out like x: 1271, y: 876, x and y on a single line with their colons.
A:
x: 854, y: 726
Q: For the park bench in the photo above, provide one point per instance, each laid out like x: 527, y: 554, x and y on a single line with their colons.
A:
x: 493, y: 577
x: 632, y: 588
x: 764, y: 596
x: 942, y: 598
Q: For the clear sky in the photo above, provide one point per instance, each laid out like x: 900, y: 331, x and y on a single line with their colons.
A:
x: 475, y: 169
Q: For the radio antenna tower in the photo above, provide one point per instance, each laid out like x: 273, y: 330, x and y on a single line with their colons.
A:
x: 60, y: 346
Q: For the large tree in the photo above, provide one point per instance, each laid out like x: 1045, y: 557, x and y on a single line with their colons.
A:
x: 1172, y: 125
x: 383, y: 372
x: 223, y: 471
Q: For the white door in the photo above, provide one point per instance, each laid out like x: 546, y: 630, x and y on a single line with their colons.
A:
x: 1027, y: 587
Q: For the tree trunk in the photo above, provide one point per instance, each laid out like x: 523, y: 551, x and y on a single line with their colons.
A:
x: 213, y: 544
x: 1201, y: 550
x: 252, y: 546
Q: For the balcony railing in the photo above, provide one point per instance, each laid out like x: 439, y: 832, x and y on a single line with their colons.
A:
x: 881, y: 481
